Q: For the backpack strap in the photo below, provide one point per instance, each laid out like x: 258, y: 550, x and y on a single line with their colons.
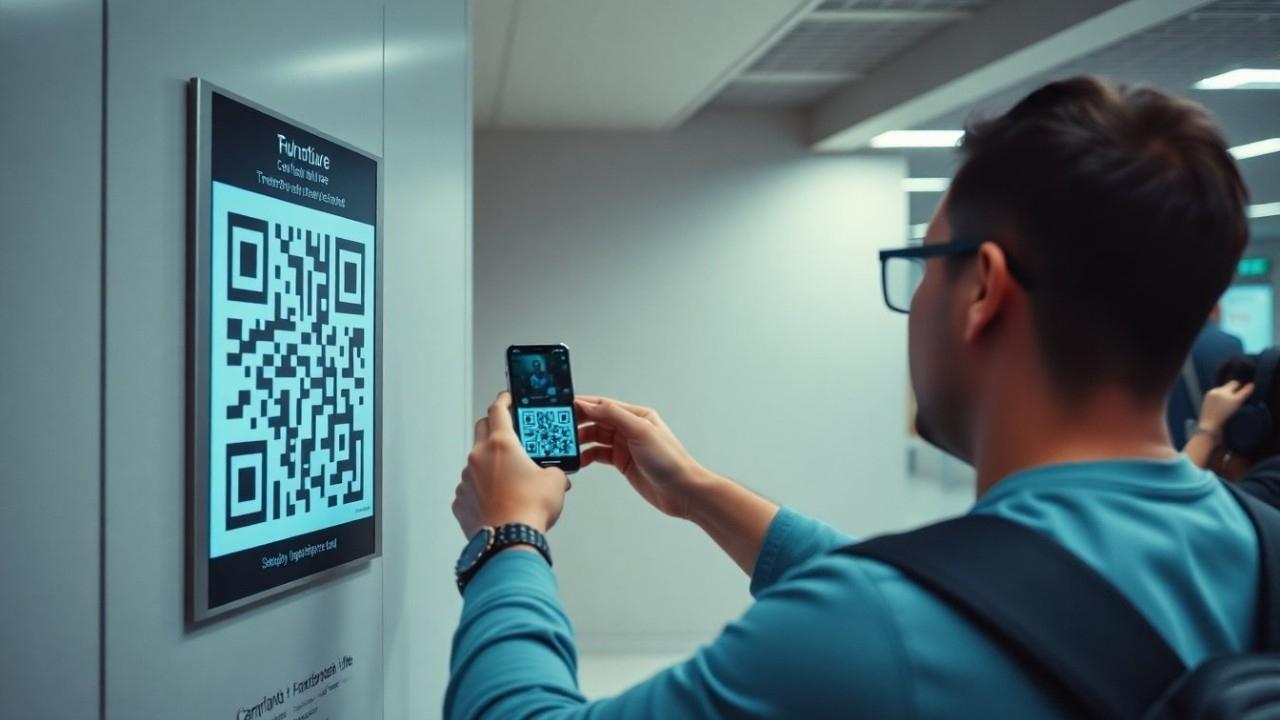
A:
x: 1266, y: 521
x: 1044, y: 604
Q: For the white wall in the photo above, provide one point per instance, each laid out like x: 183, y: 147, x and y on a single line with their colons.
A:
x: 390, y: 78
x: 728, y: 277
x: 427, y: 328
x: 50, y: 357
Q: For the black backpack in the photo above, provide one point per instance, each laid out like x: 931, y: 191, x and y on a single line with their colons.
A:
x: 1069, y: 624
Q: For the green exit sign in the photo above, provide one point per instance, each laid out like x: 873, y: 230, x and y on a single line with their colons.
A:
x: 1254, y: 267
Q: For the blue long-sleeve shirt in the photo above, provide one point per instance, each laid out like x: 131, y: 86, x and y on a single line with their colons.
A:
x: 832, y: 635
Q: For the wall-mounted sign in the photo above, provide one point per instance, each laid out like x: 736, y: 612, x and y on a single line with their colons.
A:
x: 285, y: 343
x: 1252, y: 267
x: 1248, y: 312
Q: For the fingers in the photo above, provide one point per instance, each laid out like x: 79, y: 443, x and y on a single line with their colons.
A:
x: 1229, y: 388
x: 590, y: 407
x: 599, y: 434
x: 1234, y: 390
x: 500, y: 414
x: 641, y: 411
x: 610, y: 413
x: 482, y: 429
x: 597, y: 454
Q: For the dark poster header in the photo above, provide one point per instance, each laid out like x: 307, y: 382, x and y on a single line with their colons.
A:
x: 260, y: 153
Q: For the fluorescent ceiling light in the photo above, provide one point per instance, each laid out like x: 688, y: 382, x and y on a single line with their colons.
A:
x: 1254, y: 149
x: 926, y: 184
x: 917, y: 139
x: 1242, y: 79
x: 1264, y: 210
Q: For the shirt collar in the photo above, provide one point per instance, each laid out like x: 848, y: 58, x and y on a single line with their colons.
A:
x: 1164, y: 478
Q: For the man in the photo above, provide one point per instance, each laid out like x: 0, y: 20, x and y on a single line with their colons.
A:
x: 1255, y: 469
x: 1034, y: 356
x: 539, y: 380
x: 1213, y: 346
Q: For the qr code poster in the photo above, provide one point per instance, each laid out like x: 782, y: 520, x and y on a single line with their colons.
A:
x: 285, y: 311
x: 291, y: 381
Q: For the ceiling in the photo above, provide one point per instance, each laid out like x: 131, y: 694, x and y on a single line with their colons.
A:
x: 858, y: 67
x: 1217, y: 37
x: 838, y: 43
x: 608, y: 64
x: 855, y: 67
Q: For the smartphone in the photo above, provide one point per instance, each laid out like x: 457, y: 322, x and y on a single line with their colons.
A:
x: 541, y: 388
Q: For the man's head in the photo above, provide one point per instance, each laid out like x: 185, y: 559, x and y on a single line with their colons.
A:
x: 537, y: 366
x: 1122, y: 208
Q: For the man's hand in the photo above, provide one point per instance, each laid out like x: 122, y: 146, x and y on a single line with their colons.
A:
x: 1205, y: 446
x: 1221, y: 403
x: 501, y: 484
x: 639, y: 444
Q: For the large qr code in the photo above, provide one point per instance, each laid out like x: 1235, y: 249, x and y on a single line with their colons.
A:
x: 548, y: 432
x: 292, y: 370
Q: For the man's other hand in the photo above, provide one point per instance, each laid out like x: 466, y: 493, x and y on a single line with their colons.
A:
x: 639, y: 444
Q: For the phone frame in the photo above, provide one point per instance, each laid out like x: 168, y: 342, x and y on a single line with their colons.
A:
x: 569, y: 464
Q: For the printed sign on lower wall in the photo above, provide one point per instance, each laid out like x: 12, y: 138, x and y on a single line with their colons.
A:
x: 309, y: 697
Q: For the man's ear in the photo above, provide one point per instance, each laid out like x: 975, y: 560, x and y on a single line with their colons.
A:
x: 991, y: 291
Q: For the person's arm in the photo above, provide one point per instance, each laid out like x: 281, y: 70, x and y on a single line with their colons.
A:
x: 1204, y: 447
x: 637, y: 442
x: 734, y: 517
x: 793, y: 539
x: 765, y: 540
x: 822, y: 638
x: 790, y: 656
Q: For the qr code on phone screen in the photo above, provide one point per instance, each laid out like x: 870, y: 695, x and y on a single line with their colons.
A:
x: 548, y: 432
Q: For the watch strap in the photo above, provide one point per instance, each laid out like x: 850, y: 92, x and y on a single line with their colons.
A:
x: 520, y: 534
x: 505, y: 536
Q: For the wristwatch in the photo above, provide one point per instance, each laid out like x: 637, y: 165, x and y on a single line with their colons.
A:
x: 488, y: 541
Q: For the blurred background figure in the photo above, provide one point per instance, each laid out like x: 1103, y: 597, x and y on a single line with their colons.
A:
x: 1236, y: 435
x: 1212, y: 348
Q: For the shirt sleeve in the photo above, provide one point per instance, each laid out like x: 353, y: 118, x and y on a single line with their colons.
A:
x: 817, y: 640
x: 792, y: 539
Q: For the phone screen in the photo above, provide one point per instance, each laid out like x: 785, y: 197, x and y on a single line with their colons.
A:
x: 542, y: 403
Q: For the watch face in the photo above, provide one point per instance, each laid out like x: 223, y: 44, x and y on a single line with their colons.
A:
x: 474, y: 549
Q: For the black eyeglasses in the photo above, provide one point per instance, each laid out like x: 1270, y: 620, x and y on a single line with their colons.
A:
x: 902, y: 270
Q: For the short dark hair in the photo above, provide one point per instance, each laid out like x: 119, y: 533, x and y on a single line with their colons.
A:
x: 1244, y: 369
x: 1128, y: 212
